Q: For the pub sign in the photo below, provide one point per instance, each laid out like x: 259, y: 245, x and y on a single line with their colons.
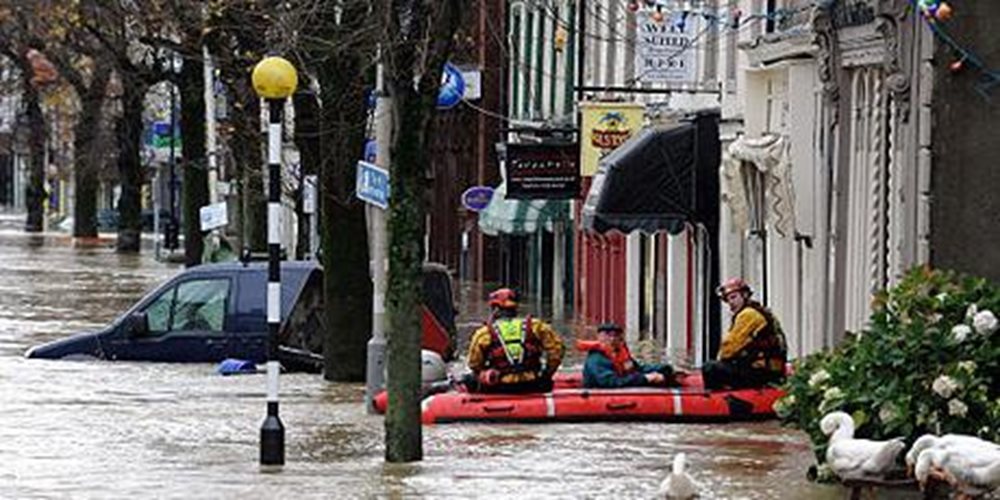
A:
x: 543, y: 171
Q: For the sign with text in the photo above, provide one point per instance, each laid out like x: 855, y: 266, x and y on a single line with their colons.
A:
x: 213, y: 216
x: 666, y: 51
x: 543, y: 171
x: 372, y: 184
x: 604, y: 127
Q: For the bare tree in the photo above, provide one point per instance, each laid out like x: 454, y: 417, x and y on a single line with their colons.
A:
x: 56, y: 30
x: 234, y: 34
x: 118, y: 28
x: 34, y: 72
x: 338, y: 41
x: 419, y: 39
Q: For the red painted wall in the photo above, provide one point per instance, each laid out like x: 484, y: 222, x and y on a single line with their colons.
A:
x: 600, y: 273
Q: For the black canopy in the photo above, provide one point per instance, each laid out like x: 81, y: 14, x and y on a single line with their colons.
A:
x: 658, y: 180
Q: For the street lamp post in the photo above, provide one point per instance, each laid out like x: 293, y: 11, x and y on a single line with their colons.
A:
x: 174, y: 65
x: 274, y: 79
x: 173, y: 228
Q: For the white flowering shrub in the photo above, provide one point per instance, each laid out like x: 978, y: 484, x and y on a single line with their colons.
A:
x: 929, y: 361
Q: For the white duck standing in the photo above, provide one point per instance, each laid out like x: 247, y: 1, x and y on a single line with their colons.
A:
x: 971, y: 470
x: 679, y: 484
x: 851, y: 458
x: 947, y: 441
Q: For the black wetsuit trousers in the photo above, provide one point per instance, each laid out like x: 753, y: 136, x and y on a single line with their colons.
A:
x: 726, y: 374
x: 471, y: 383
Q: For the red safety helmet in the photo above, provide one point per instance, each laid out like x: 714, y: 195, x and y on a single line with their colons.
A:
x: 733, y: 285
x: 504, y: 298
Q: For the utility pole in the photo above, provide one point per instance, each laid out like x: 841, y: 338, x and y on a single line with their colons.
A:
x: 173, y: 225
x: 157, y: 206
x: 377, y: 240
x: 274, y: 79
x: 211, y: 144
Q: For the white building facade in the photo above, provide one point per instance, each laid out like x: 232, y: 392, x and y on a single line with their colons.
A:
x: 825, y: 131
x: 842, y: 204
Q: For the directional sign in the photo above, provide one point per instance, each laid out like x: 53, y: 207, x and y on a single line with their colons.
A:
x: 372, y: 184
x: 452, y: 87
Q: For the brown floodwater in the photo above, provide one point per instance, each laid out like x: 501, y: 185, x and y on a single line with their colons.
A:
x: 97, y: 429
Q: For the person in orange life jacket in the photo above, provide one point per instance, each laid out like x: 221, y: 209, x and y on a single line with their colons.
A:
x: 753, y: 351
x: 506, y: 354
x: 610, y: 365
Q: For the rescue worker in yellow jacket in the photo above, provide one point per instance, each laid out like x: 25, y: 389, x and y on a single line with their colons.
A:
x: 506, y: 354
x: 753, y: 351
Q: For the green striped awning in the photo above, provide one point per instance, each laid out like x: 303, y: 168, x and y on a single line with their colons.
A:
x: 520, y: 216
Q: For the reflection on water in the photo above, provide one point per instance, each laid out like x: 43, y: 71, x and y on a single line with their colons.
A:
x: 101, y: 430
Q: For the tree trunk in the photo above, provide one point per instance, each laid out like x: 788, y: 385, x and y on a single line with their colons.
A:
x: 403, y: 433
x: 35, y: 190
x: 130, y: 166
x: 248, y: 168
x: 86, y: 158
x: 348, y: 286
x: 343, y: 229
x: 410, y: 26
x: 194, y: 191
x: 307, y: 131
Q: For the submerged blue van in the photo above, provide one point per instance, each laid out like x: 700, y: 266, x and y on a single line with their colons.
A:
x: 206, y: 314
x: 213, y: 312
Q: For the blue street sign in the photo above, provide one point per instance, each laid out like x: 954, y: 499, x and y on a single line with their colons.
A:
x: 477, y: 198
x: 372, y: 184
x: 452, y: 87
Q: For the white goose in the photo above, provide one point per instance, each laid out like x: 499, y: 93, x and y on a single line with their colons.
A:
x: 972, y: 471
x: 679, y: 484
x: 851, y: 458
x: 947, y: 441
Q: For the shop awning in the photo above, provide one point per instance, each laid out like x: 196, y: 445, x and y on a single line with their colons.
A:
x: 659, y: 180
x: 520, y: 216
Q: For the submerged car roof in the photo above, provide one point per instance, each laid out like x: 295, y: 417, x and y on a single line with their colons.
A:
x: 293, y: 266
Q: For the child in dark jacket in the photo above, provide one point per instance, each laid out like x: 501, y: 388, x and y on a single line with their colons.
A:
x: 610, y: 365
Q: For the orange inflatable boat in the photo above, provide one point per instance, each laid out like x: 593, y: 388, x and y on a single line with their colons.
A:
x: 569, y: 402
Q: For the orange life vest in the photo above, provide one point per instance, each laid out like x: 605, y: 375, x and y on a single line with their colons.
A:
x: 621, y: 359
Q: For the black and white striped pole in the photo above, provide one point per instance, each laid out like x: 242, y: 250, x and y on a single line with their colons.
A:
x: 274, y: 79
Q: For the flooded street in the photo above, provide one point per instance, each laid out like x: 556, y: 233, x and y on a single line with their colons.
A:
x: 94, y: 429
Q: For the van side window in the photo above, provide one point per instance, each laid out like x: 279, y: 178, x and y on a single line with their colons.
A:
x: 192, y: 305
x: 158, y: 313
x: 201, y: 305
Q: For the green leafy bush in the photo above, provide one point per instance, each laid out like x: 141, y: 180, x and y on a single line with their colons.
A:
x: 929, y: 361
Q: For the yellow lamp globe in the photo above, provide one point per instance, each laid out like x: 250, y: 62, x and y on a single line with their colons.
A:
x: 274, y: 78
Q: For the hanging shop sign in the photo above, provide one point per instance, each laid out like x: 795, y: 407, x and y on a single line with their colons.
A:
x: 604, y: 127
x: 543, y: 171
x: 666, y: 50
